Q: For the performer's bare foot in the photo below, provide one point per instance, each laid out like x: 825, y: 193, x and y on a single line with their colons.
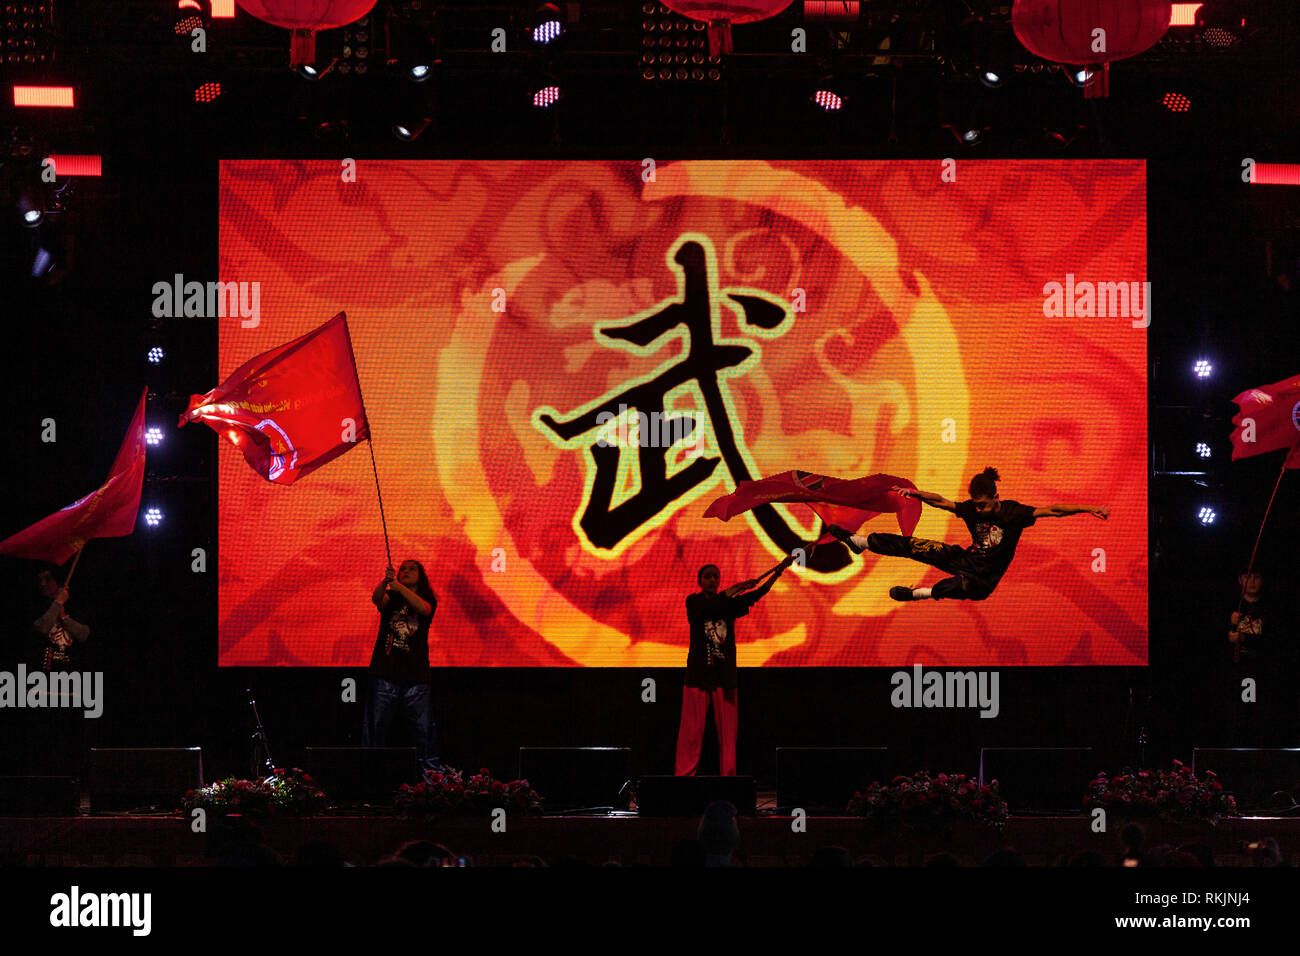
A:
x: 845, y: 536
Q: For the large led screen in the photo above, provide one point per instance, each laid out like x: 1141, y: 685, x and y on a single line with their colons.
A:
x: 563, y: 363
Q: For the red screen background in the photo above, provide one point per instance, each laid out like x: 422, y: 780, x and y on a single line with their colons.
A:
x: 915, y: 344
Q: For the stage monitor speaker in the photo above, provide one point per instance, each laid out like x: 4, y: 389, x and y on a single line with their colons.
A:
x: 138, y: 778
x: 361, y: 775
x: 1264, y: 780
x: 663, y: 796
x: 1039, y: 779
x: 823, y: 780
x: 576, y: 778
x: 39, y: 797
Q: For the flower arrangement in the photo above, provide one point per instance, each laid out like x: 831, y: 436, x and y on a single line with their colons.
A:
x: 1176, y: 794
x: 450, y: 794
x: 284, y: 792
x: 925, y: 801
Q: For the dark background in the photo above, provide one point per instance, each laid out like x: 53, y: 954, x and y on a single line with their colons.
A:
x: 1221, y: 257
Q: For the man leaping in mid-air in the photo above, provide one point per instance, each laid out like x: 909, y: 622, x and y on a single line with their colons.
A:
x: 995, y: 525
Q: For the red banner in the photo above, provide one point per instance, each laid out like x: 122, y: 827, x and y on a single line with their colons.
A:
x: 108, y: 512
x: 849, y: 503
x: 1269, y: 420
x: 292, y: 409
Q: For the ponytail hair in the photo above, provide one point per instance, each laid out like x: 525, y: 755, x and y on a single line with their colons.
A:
x: 984, y: 485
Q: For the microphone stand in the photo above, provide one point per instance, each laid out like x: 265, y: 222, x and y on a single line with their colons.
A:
x: 264, y: 767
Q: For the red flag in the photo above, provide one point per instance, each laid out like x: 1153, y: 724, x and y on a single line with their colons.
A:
x: 108, y: 512
x: 292, y: 409
x: 849, y: 503
x: 1269, y: 419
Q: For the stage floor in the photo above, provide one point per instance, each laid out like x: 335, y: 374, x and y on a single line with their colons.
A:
x: 620, y: 838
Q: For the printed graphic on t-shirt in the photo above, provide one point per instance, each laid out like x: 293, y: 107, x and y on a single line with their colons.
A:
x: 987, y: 536
x: 60, y: 641
x: 716, y: 632
x: 1249, y: 624
x: 401, y: 626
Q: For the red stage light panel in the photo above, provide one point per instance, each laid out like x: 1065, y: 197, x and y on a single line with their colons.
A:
x: 1276, y: 174
x: 830, y: 9
x: 68, y: 165
x: 207, y: 92
x: 827, y: 100
x: 1176, y: 103
x: 1184, y: 14
x: 44, y: 96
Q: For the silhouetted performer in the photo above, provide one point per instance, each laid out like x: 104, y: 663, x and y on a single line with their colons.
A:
x: 399, y: 666
x: 711, y: 665
x: 995, y: 526
x: 57, y: 630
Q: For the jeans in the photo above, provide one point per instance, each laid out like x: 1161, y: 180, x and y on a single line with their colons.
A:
x: 415, y: 702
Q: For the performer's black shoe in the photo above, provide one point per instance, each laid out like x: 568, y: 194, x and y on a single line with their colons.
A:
x: 902, y: 594
x: 845, y: 536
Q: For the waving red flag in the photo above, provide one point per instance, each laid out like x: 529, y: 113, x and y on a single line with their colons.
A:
x: 108, y: 512
x: 1269, y: 419
x: 847, y: 502
x: 292, y: 409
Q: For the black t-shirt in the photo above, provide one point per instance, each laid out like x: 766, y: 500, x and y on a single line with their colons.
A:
x: 711, y: 660
x: 994, y: 538
x: 1253, y: 638
x: 55, y: 650
x: 401, y: 650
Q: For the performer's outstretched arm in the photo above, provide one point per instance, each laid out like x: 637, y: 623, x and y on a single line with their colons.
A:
x: 742, y: 586
x: 1061, y: 511
x: 929, y: 497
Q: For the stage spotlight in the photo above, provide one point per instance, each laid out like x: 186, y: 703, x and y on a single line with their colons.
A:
x: 153, y: 435
x: 153, y: 517
x: 312, y: 73
x: 418, y: 73
x: 991, y: 79
x: 207, y: 92
x: 968, y: 134
x: 547, y: 31
x: 186, y: 24
x: 1220, y: 25
x: 1203, y: 368
x: 31, y: 214
x: 1080, y: 76
x: 546, y: 96
x: 408, y: 133
x: 42, y: 263
x: 156, y: 355
x: 828, y: 100
x: 1206, y: 516
x: 1176, y: 103
x: 546, y: 23
x: 1202, y: 449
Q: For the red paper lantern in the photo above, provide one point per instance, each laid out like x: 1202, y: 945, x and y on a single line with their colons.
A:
x: 304, y: 18
x: 1066, y: 31
x: 720, y: 15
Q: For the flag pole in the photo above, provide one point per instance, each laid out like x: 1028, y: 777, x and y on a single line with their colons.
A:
x: 384, y: 521
x: 75, y: 558
x: 777, y: 566
x: 370, y: 440
x: 1255, y: 550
